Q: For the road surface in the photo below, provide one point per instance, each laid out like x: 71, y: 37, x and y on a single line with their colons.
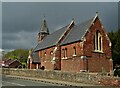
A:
x: 8, y: 81
x: 11, y: 82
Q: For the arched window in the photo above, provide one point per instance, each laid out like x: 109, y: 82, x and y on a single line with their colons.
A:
x: 74, y: 53
x: 98, y: 41
x: 65, y: 52
x: 51, y: 55
x: 44, y: 58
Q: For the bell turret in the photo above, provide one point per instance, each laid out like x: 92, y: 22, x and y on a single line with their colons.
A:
x: 44, y: 31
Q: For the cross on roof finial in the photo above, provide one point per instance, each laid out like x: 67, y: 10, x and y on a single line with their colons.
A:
x: 73, y: 18
x: 44, y: 17
x: 96, y: 13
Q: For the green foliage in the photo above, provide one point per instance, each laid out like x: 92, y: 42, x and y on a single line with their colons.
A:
x: 117, y: 71
x: 115, y: 40
x: 19, y: 54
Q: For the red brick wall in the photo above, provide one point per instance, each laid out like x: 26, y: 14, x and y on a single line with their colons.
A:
x: 58, y: 58
x: 72, y: 63
x: 33, y: 66
x: 71, y: 50
x: 98, y: 64
x: 96, y: 60
x: 48, y: 64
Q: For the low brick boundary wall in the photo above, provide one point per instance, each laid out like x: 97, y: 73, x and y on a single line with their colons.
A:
x: 110, y: 81
x: 65, y: 76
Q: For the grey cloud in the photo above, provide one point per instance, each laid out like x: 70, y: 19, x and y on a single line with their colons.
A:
x: 21, y: 20
x: 22, y: 39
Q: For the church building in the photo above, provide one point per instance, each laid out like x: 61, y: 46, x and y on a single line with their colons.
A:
x: 74, y: 47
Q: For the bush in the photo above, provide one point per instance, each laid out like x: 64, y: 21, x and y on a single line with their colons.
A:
x: 117, y: 71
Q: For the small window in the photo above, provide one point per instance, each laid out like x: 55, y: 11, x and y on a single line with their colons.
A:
x: 74, y: 48
x: 100, y: 43
x: 65, y: 52
x: 51, y: 55
x: 44, y: 59
x: 94, y: 42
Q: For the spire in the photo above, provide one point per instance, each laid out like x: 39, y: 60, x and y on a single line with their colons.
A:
x: 44, y: 27
x: 44, y: 31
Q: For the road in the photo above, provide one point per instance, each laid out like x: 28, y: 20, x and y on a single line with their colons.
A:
x: 8, y: 81
x: 11, y: 82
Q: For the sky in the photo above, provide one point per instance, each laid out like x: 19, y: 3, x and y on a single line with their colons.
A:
x: 21, y: 21
x: 119, y: 15
x: 60, y: 0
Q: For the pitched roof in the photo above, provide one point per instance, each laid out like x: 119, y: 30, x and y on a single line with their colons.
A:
x: 77, y: 32
x: 10, y: 61
x: 35, y: 57
x: 50, y: 40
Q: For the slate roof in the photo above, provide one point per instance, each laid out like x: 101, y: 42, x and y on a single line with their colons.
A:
x: 50, y: 40
x: 35, y: 57
x: 77, y: 32
x: 9, y: 63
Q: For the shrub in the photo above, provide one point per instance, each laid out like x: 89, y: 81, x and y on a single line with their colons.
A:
x: 117, y: 71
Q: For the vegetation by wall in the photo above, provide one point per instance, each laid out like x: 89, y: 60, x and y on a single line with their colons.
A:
x: 115, y: 40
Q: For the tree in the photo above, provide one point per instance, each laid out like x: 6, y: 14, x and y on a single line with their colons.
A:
x: 115, y: 40
x: 3, y: 53
x: 19, y: 54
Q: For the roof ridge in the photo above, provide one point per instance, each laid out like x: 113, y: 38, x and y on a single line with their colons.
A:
x: 85, y: 21
x: 54, y: 32
x: 53, y: 38
x: 58, y: 29
x: 61, y: 29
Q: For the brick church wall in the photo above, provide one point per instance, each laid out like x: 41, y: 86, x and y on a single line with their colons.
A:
x: 47, y: 62
x: 97, y: 61
x: 72, y: 63
x: 93, y: 61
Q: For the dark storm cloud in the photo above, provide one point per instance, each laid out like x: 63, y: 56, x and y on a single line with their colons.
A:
x: 21, y: 39
x: 21, y: 21
x: 119, y: 14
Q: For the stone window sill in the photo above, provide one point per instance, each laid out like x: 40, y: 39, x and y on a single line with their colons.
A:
x: 65, y: 58
x: 98, y: 51
x: 74, y: 55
